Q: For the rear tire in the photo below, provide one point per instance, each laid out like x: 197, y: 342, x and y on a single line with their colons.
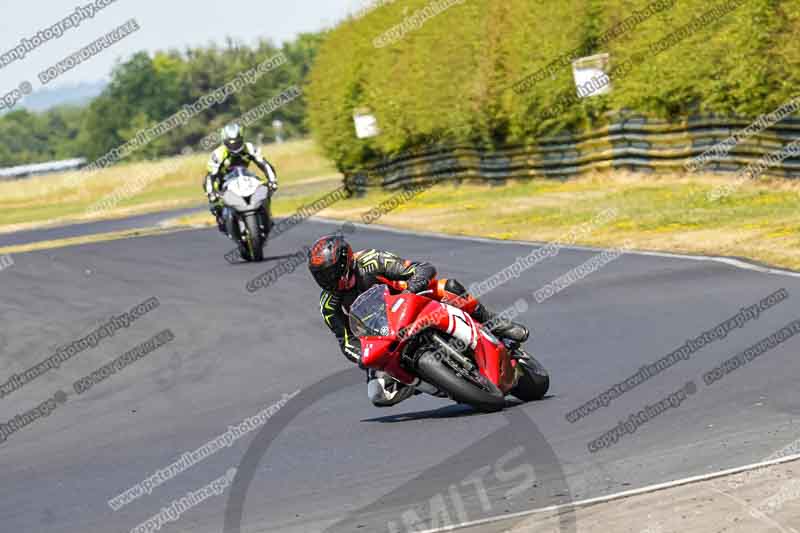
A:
x: 488, y: 400
x: 534, y: 382
x: 255, y: 242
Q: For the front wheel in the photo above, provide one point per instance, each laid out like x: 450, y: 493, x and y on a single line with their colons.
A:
x: 254, y: 242
x: 534, y: 382
x: 476, y: 391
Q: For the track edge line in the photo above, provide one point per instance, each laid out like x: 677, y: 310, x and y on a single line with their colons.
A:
x: 619, y: 495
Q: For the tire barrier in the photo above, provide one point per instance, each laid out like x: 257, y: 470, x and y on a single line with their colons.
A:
x: 631, y: 143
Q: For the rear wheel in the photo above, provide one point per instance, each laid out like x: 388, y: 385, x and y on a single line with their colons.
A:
x: 474, y: 389
x: 534, y: 382
x: 255, y: 243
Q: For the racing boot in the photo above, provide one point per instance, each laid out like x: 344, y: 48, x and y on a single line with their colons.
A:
x: 216, y: 210
x: 214, y: 202
x: 500, y: 326
x: 385, y: 391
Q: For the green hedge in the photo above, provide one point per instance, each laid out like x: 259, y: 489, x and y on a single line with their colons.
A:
x: 452, y: 78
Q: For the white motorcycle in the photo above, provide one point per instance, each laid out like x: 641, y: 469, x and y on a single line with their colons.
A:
x: 247, y: 212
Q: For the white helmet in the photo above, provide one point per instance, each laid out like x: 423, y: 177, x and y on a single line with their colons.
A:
x: 233, y: 137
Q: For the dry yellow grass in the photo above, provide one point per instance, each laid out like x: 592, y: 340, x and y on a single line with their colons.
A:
x: 759, y: 221
x: 656, y: 212
x: 165, y: 184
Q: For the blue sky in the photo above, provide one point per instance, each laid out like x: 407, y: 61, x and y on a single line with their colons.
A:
x: 164, y: 24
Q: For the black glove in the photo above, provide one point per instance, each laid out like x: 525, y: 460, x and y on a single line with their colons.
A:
x: 418, y: 287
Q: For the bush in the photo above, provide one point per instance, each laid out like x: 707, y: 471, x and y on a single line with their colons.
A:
x: 452, y: 78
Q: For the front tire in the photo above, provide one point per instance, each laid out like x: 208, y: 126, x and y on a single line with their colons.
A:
x: 255, y: 243
x: 487, y: 398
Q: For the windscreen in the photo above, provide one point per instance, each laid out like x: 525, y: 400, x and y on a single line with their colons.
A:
x: 368, y: 317
x: 237, y: 172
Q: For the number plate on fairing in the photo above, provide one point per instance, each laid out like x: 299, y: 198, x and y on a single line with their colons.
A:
x: 244, y: 186
x: 461, y: 326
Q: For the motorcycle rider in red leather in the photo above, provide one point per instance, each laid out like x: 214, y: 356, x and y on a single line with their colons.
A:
x: 344, y: 275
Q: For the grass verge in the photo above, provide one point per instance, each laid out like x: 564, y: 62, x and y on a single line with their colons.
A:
x: 167, y: 184
x: 656, y: 212
x: 760, y: 221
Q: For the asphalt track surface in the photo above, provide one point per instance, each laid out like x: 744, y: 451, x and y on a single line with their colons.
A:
x: 329, y: 461
x: 90, y: 228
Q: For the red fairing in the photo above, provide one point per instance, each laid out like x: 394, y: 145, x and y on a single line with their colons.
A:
x: 495, y: 363
x: 491, y: 355
x: 423, y: 312
x: 409, y: 314
x: 377, y: 353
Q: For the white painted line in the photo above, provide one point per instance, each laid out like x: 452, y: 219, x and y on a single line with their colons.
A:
x: 617, y: 496
x: 736, y: 263
x: 730, y: 261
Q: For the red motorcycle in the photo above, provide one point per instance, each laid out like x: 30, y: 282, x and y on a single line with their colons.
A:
x: 415, y: 337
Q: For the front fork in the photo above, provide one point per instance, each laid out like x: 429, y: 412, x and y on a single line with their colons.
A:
x: 408, y: 363
x: 237, y: 228
x: 232, y: 224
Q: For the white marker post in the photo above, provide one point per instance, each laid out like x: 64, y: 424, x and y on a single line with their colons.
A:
x: 277, y: 127
x: 366, y: 124
x: 591, y: 78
